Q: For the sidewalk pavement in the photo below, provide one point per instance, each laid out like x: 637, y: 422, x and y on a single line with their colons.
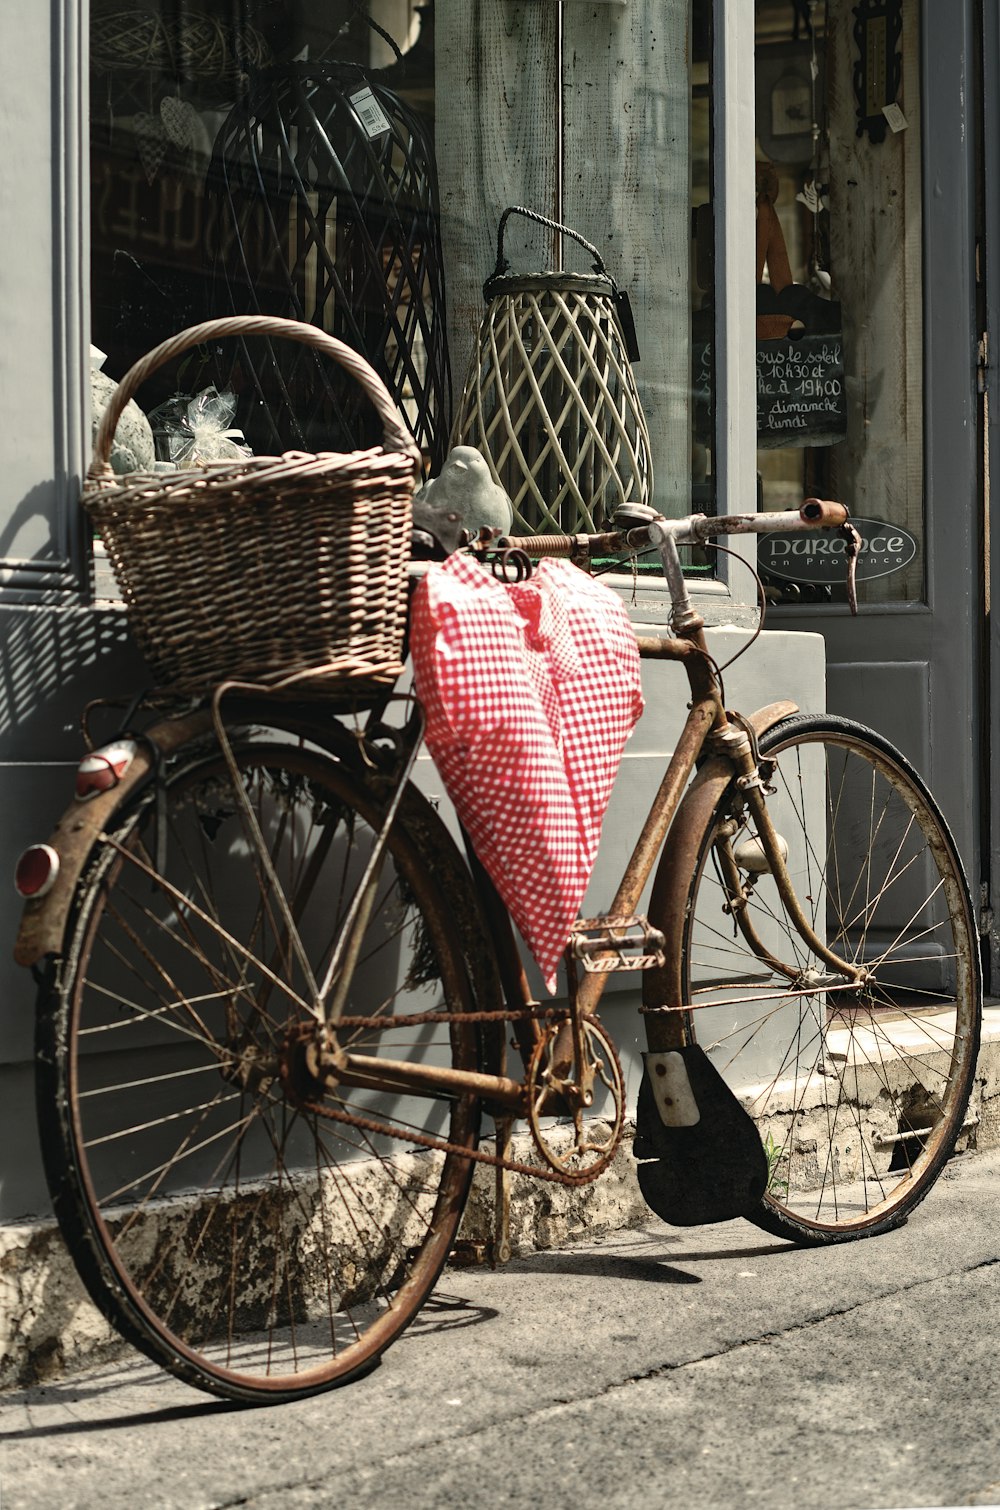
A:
x: 712, y: 1367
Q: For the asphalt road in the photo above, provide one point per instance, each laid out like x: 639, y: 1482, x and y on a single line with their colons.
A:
x: 713, y: 1367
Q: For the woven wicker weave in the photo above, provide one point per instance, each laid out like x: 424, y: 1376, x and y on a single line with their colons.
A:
x: 550, y: 399
x: 270, y: 567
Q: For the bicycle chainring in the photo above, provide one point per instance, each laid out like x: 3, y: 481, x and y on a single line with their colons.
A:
x: 580, y: 1145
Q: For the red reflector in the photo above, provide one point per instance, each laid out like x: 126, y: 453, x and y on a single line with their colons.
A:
x: 100, y: 778
x: 36, y: 871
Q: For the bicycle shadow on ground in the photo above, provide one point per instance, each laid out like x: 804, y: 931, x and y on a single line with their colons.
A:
x: 447, y: 1313
x: 443, y: 1312
x: 651, y: 1265
x: 608, y: 1266
x: 70, y: 1396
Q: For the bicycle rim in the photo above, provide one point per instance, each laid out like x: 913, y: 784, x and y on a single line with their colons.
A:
x: 253, y: 1247
x: 859, y: 1094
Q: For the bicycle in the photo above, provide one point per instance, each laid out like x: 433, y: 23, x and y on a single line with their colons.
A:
x: 259, y: 933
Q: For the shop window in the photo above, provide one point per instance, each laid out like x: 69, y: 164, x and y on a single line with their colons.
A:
x: 265, y: 158
x: 840, y: 405
x: 348, y: 164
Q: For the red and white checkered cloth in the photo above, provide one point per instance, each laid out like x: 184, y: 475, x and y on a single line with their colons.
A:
x: 529, y: 691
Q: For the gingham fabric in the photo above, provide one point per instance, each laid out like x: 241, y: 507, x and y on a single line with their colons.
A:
x: 529, y: 692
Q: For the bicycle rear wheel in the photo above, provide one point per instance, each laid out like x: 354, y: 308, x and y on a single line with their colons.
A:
x: 251, y: 1245
x: 859, y: 1095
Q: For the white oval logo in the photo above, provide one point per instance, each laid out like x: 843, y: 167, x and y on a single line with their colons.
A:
x: 821, y: 556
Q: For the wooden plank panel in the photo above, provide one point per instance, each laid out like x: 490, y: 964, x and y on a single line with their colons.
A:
x: 496, y: 106
x: 626, y: 188
x: 876, y: 231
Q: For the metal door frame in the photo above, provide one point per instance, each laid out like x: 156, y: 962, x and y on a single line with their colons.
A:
x: 989, y: 278
x: 934, y: 650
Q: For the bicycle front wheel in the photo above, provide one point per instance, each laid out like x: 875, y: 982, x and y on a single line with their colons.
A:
x: 859, y: 1094
x: 259, y: 1239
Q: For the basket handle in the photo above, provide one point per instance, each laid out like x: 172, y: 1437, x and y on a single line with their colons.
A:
x: 619, y: 295
x: 395, y: 435
x: 553, y: 225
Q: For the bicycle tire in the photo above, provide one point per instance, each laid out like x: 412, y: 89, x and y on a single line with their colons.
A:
x: 253, y: 1248
x: 859, y: 1097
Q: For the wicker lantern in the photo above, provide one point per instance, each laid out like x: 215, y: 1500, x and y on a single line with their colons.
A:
x: 328, y: 213
x: 550, y: 399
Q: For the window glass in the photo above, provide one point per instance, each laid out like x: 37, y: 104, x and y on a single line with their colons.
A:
x: 839, y: 390
x: 347, y: 164
x: 270, y: 158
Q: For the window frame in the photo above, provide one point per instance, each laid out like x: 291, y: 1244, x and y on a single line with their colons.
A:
x: 734, y: 198
x: 733, y: 107
x: 44, y: 389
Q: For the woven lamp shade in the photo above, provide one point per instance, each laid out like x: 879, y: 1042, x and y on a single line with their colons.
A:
x: 551, y: 401
x: 327, y: 208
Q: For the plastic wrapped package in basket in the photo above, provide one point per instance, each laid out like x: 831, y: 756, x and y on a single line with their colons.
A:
x: 274, y: 570
x: 550, y: 399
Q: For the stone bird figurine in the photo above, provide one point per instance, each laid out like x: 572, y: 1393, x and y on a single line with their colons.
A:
x: 463, y: 497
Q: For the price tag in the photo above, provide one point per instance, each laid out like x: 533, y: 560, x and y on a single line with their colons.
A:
x: 370, y: 112
x: 627, y: 322
x: 897, y: 120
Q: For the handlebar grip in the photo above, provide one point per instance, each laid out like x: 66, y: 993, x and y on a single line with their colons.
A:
x: 824, y: 512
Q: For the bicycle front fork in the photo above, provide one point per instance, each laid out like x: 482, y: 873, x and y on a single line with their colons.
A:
x: 766, y: 853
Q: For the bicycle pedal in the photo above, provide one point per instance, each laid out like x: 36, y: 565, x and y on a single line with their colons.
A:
x: 616, y: 942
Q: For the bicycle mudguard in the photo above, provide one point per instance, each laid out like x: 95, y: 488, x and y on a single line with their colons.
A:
x: 662, y: 986
x: 700, y: 1158
x: 43, y: 921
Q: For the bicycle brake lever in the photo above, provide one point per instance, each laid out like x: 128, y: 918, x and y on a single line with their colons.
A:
x: 853, y: 548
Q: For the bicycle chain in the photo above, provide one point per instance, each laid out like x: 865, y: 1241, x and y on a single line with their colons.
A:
x: 418, y: 1019
x: 441, y: 1145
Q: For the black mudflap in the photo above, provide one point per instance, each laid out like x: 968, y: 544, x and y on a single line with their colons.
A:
x: 700, y: 1155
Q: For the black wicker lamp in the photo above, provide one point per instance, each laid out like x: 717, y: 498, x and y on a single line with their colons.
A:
x: 328, y: 213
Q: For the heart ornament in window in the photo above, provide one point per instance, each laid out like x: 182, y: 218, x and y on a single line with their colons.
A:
x: 151, y: 143
x: 180, y: 120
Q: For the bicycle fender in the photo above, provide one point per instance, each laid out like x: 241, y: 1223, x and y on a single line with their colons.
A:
x: 43, y: 921
x: 772, y: 713
x: 662, y: 986
x: 700, y: 1158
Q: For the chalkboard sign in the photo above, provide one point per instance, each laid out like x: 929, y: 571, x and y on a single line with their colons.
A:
x: 800, y: 378
x: 800, y: 392
x: 801, y: 399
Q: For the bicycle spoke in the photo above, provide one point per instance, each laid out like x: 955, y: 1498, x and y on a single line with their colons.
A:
x: 857, y: 1088
x: 266, y: 1250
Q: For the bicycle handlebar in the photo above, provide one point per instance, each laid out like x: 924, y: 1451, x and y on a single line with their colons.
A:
x: 815, y: 513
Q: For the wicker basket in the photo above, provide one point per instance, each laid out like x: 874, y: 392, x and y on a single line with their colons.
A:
x: 271, y: 567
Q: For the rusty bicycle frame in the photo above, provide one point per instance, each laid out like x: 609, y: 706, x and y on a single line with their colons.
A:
x: 708, y: 730
x: 269, y: 855
x: 723, y: 744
